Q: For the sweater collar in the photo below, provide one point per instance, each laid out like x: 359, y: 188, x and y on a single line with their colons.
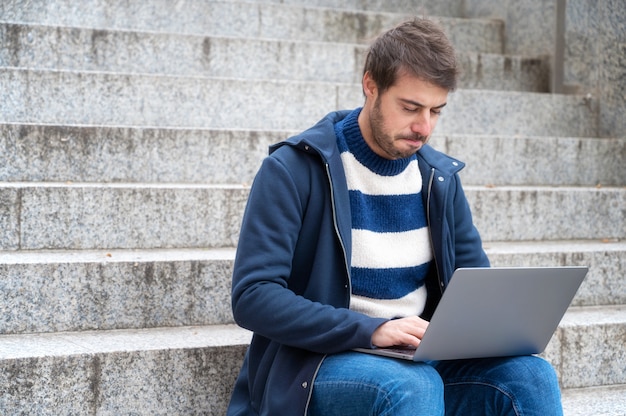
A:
x: 351, y: 132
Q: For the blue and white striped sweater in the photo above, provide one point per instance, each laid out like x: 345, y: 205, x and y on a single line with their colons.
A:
x: 391, y: 249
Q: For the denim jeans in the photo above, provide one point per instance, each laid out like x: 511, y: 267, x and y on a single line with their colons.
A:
x: 353, y: 383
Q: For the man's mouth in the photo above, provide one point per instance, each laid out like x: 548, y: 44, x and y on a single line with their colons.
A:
x: 416, y: 139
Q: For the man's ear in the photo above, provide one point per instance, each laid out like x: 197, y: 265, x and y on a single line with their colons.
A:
x: 370, y: 89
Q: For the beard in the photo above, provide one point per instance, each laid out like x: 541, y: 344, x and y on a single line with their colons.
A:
x: 385, y: 141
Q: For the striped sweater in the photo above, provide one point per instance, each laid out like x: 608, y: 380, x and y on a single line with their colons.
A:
x: 391, y: 249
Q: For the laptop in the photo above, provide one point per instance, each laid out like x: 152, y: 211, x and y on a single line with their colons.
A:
x: 495, y: 312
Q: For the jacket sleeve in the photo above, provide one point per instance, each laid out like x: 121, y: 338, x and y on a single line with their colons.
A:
x: 261, y: 298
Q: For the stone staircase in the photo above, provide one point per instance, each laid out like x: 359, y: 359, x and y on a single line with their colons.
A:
x: 130, y: 132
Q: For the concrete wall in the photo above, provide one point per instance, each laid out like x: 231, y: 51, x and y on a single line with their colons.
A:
x: 530, y: 24
x: 594, y: 46
x: 595, y: 58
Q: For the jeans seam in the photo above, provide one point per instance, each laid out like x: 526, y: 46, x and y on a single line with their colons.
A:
x: 370, y: 386
x: 507, y: 393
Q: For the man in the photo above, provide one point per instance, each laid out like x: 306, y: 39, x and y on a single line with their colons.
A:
x: 352, y: 231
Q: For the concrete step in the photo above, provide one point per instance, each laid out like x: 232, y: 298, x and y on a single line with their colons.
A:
x: 514, y: 213
x: 595, y: 401
x: 112, y: 154
x: 605, y: 283
x: 116, y: 154
x: 587, y: 348
x: 62, y: 97
x: 533, y: 160
x: 504, y: 72
x: 162, y: 371
x: 107, y: 216
x: 519, y: 113
x: 55, y: 291
x: 422, y: 7
x: 253, y: 20
x: 190, y: 370
x: 47, y: 47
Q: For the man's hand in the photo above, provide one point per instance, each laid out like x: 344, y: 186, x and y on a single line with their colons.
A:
x: 403, y: 331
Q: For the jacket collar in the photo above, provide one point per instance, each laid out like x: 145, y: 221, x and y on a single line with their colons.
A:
x: 321, y: 138
x: 443, y: 163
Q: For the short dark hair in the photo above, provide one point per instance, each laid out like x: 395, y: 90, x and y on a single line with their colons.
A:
x: 420, y: 48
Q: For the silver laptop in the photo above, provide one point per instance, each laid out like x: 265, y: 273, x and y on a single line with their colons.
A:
x: 495, y: 312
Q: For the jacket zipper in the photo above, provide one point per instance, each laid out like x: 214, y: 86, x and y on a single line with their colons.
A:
x: 308, y: 400
x: 345, y: 258
x: 334, y: 209
x: 430, y: 232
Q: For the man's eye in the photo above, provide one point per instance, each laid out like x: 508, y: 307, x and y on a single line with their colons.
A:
x: 411, y: 110
x: 435, y: 111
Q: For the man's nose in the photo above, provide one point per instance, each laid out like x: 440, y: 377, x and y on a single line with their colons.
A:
x: 422, y: 123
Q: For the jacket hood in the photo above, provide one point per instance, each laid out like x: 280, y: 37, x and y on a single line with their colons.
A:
x: 320, y: 137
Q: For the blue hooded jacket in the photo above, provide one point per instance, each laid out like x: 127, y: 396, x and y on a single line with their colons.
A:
x: 291, y: 278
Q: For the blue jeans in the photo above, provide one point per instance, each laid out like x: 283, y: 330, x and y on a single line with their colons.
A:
x: 353, y: 383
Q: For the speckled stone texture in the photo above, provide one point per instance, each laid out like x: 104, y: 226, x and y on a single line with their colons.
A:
x: 498, y: 72
x: 605, y: 401
x: 297, y: 19
x: 133, y: 100
x: 536, y: 213
x: 149, y: 155
x: 44, y: 47
x: 595, y: 57
x: 530, y: 25
x: 61, y: 291
x: 9, y: 224
x: 595, y: 46
x: 547, y: 161
x: 188, y: 370
x: 604, y: 283
x: 109, y: 216
x: 579, y: 334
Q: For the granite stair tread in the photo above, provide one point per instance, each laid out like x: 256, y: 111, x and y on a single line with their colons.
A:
x: 595, y: 401
x: 70, y: 290
x: 587, y: 330
x: 593, y: 332
x: 36, y: 152
x: 493, y: 248
x: 78, y: 363
x: 137, y: 215
x: 95, y: 98
x: 63, y: 344
x: 185, y: 370
x: 116, y: 256
x: 605, y: 283
x: 78, y: 49
x: 259, y: 20
x: 555, y: 246
x: 589, y: 316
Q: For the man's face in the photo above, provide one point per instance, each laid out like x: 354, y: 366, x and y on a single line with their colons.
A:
x: 398, y: 122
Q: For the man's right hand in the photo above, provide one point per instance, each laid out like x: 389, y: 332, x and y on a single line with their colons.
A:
x: 403, y: 331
